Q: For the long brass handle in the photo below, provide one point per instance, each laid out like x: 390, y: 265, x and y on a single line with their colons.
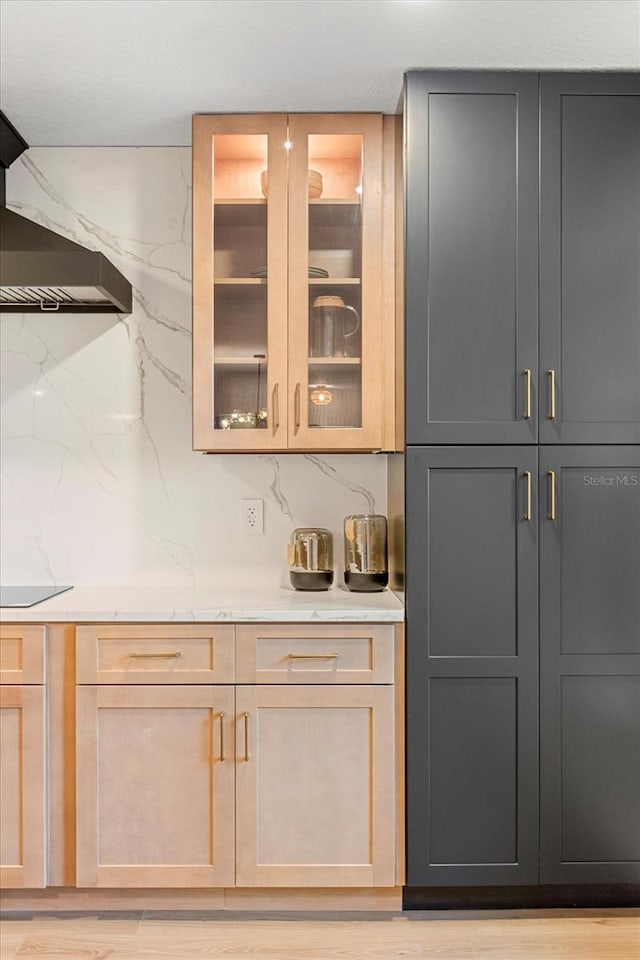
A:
x: 552, y: 494
x: 552, y: 395
x: 313, y: 656
x: 528, y: 514
x: 527, y: 402
x: 275, y: 406
x: 156, y: 656
x: 296, y: 407
x: 245, y: 717
x: 221, y: 718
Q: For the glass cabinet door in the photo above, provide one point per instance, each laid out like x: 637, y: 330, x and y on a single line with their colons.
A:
x: 240, y: 282
x: 335, y: 270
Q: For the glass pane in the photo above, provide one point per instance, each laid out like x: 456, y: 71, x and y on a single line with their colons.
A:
x: 240, y: 184
x: 335, y: 280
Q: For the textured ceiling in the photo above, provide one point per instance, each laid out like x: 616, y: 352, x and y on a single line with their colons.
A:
x: 133, y: 71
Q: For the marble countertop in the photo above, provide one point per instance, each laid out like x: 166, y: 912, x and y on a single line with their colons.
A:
x: 84, y: 604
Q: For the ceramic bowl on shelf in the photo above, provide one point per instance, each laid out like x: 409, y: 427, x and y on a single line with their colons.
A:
x: 337, y: 263
x: 314, y: 180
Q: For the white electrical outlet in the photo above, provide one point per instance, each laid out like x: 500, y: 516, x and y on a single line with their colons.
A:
x: 252, y: 517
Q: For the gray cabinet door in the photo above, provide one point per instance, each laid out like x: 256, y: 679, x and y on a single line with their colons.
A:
x: 471, y: 257
x: 590, y: 664
x: 590, y: 258
x: 472, y: 665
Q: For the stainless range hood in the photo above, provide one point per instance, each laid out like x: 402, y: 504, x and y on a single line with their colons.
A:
x: 43, y: 271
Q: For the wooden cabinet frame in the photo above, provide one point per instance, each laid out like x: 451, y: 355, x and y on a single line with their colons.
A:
x: 205, y: 128
x: 369, y: 435
x: 219, y: 872
x: 80, y: 847
x: 287, y: 293
x: 21, y: 653
x: 26, y: 781
x: 379, y: 867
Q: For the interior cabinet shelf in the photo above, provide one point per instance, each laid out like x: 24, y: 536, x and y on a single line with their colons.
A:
x: 239, y: 361
x: 241, y: 281
x: 334, y: 361
x: 334, y: 282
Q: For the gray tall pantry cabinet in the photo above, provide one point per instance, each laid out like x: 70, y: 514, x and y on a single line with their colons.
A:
x: 523, y: 478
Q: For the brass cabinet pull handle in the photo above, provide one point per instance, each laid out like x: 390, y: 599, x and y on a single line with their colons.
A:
x: 552, y: 395
x: 275, y: 407
x: 313, y: 656
x: 527, y: 405
x: 245, y: 717
x: 156, y: 656
x: 221, y: 718
x: 552, y: 494
x: 296, y: 406
x: 528, y: 514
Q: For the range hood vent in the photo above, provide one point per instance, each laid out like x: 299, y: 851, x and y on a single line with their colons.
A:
x: 43, y: 271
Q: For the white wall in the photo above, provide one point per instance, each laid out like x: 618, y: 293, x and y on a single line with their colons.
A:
x: 99, y: 482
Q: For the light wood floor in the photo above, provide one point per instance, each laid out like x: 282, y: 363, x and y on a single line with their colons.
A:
x: 560, y: 935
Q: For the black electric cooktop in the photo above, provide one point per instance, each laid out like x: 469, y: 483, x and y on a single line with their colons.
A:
x: 28, y: 596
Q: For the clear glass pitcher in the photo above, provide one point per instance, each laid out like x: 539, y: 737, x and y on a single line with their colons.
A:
x: 328, y: 327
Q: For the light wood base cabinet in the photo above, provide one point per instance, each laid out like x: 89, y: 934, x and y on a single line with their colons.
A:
x: 161, y: 782
x: 22, y: 787
x: 22, y: 757
x: 155, y: 779
x: 315, y: 796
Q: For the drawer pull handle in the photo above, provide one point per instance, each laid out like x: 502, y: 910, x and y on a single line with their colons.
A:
x: 552, y: 395
x: 275, y: 407
x: 221, y: 718
x: 296, y: 407
x: 313, y: 656
x: 527, y: 407
x: 245, y: 717
x: 156, y: 656
x: 552, y: 494
x: 528, y: 514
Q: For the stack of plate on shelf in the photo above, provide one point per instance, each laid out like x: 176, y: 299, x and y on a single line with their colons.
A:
x: 315, y: 273
x: 336, y: 263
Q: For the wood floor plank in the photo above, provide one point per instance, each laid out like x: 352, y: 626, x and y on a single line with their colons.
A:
x: 539, y: 938
x: 10, y: 942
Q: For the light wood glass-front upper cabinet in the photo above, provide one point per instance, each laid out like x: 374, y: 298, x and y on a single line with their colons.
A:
x: 288, y: 273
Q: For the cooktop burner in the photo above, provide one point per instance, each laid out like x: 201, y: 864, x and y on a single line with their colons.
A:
x: 28, y: 596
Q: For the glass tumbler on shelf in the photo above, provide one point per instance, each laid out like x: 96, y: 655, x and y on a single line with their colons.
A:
x: 310, y: 555
x: 365, y: 553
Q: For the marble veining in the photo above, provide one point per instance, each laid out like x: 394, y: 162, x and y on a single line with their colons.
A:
x: 99, y: 481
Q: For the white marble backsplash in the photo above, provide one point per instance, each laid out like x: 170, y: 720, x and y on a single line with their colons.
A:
x: 99, y: 481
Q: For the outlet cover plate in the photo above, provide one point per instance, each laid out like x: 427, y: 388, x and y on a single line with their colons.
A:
x: 252, y: 517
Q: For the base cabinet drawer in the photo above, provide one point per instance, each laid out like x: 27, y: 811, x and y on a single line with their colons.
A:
x: 22, y: 787
x: 299, y: 653
x: 154, y: 653
x: 21, y: 653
